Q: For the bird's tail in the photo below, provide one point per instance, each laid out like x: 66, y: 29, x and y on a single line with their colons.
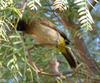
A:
x: 68, y: 54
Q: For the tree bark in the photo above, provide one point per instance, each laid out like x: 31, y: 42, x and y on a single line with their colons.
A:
x: 85, y: 55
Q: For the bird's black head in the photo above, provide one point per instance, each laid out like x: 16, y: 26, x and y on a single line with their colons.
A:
x: 21, y: 26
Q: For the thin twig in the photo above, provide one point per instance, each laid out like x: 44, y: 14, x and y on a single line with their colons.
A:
x: 23, y: 8
x: 93, y: 4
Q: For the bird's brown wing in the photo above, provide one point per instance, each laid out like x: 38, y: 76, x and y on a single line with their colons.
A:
x: 51, y: 25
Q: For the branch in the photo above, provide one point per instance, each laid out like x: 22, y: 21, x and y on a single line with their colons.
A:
x: 93, y: 3
x: 23, y: 8
x: 38, y: 69
x: 80, y: 46
x: 68, y: 24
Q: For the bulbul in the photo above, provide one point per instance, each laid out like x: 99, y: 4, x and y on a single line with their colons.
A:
x: 45, y: 32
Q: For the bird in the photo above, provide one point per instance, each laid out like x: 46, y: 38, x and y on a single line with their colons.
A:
x: 45, y: 32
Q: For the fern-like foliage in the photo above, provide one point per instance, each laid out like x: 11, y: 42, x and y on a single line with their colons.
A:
x: 3, y: 24
x: 3, y: 27
x: 61, y: 5
x: 33, y: 4
x: 5, y: 3
x: 85, y: 17
x: 7, y: 12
